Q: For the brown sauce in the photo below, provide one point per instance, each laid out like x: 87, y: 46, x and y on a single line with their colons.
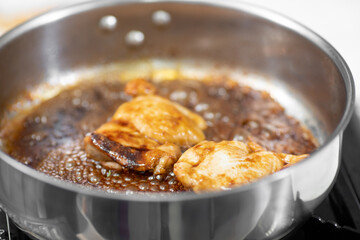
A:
x: 50, y: 139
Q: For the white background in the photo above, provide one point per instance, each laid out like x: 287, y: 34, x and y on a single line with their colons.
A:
x: 338, y: 21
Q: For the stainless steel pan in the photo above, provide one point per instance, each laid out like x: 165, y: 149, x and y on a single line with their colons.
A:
x: 297, y: 66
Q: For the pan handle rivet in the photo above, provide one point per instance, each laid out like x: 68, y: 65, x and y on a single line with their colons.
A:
x: 134, y: 38
x: 108, y: 23
x: 161, y: 18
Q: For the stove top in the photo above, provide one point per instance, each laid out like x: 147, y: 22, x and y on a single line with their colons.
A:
x: 338, y: 217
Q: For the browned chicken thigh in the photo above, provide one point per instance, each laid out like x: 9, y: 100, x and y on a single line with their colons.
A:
x: 210, y: 166
x: 145, y: 134
x: 162, y: 120
x: 139, y: 87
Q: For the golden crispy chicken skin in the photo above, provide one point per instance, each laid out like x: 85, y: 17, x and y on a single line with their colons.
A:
x: 163, y: 120
x: 118, y: 144
x: 210, y: 166
x: 139, y: 87
x: 145, y: 134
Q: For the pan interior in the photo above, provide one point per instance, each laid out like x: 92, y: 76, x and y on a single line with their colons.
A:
x: 158, y: 69
x: 257, y: 47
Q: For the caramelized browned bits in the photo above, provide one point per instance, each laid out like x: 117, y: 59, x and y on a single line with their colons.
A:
x: 51, y: 138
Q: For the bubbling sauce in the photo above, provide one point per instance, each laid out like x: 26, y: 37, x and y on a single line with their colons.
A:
x: 50, y: 138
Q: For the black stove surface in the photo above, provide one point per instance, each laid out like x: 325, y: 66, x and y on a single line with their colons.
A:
x: 338, y: 217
